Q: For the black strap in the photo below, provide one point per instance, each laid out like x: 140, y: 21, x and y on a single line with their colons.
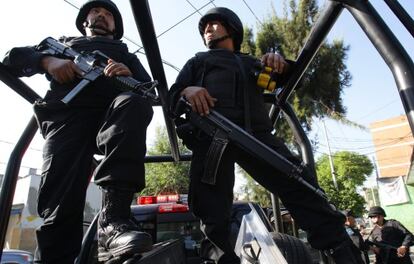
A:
x: 244, y: 86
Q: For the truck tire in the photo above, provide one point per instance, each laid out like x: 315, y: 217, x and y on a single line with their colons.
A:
x: 293, y: 249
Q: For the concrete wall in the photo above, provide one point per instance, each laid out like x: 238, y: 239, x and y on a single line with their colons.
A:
x: 393, y: 142
x: 403, y: 212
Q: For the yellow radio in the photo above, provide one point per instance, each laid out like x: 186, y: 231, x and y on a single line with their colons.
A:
x: 266, y: 79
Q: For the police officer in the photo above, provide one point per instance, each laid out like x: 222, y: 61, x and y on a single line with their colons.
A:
x: 394, y: 239
x: 101, y: 119
x: 220, y: 78
x: 350, y: 226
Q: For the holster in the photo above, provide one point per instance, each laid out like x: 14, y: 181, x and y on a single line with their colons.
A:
x: 186, y: 131
x: 213, y: 157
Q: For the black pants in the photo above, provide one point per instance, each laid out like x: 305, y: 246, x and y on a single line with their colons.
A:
x: 73, y: 136
x: 213, y: 203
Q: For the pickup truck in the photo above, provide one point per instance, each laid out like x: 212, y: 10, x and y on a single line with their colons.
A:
x: 177, y: 236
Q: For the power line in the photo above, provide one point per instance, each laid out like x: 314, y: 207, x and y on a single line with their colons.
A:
x: 21, y: 166
x: 392, y: 141
x: 338, y: 156
x: 163, y: 61
x: 376, y: 110
x: 173, y: 26
x: 11, y: 143
x: 136, y: 44
x: 346, y: 148
x: 185, y: 18
x: 252, y: 12
x: 198, y: 11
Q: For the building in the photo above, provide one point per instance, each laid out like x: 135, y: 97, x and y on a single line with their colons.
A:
x: 24, y: 219
x: 394, y: 142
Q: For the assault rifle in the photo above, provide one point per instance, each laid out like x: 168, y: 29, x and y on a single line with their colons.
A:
x: 222, y: 131
x: 92, y: 64
x: 380, y: 244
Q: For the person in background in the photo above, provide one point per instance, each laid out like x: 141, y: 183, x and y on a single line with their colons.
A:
x: 391, y: 240
x: 355, y: 235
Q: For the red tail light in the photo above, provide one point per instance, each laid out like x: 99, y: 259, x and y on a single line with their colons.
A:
x: 171, y: 198
x: 173, y: 208
x: 147, y: 200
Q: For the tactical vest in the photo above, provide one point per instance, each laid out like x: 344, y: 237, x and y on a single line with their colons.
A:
x: 115, y: 49
x: 228, y: 77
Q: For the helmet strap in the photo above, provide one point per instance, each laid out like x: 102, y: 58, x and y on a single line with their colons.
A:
x: 213, y: 44
x: 99, y: 33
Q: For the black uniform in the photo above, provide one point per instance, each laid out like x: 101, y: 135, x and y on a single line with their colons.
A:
x: 395, y: 234
x: 102, y: 120
x: 359, y: 243
x: 222, y: 72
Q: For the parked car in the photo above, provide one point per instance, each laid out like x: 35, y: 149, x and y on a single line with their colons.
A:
x: 16, y: 256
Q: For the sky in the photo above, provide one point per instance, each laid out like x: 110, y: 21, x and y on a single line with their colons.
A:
x: 372, y: 96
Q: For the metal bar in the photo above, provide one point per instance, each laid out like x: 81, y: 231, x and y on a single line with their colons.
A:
x: 143, y: 20
x: 316, y: 37
x: 8, y: 186
x: 87, y: 241
x: 156, y: 159
x: 17, y: 85
x: 10, y: 178
x: 278, y: 224
x: 402, y: 15
x: 300, y: 136
x: 391, y: 50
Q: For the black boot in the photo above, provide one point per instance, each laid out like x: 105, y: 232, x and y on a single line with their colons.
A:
x: 118, y: 236
x: 346, y: 253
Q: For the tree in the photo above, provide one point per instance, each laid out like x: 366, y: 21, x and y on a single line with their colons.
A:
x: 253, y: 191
x: 165, y: 177
x: 248, y: 45
x: 351, y: 170
x: 319, y: 92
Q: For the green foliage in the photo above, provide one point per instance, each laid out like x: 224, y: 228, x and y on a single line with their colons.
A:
x: 319, y: 93
x: 254, y: 192
x: 320, y: 89
x: 248, y: 45
x: 167, y: 177
x: 351, y: 170
x: 346, y: 198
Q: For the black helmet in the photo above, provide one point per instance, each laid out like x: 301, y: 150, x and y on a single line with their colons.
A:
x: 376, y: 210
x: 348, y: 213
x: 108, y: 5
x: 229, y: 18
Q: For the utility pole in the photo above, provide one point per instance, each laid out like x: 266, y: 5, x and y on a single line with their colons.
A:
x: 376, y: 180
x: 373, y: 196
x: 330, y: 156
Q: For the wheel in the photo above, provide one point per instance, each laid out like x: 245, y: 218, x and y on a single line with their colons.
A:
x: 293, y: 249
